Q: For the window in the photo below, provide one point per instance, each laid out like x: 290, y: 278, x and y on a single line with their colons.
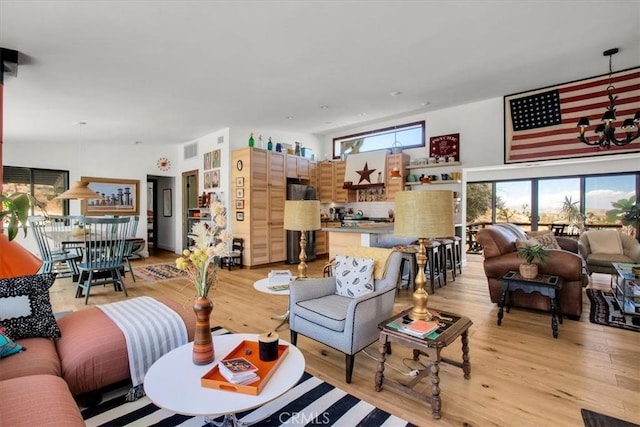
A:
x: 602, y: 191
x: 409, y: 135
x: 44, y: 184
x: 513, y: 202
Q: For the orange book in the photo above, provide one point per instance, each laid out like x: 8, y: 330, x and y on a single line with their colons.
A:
x: 422, y: 327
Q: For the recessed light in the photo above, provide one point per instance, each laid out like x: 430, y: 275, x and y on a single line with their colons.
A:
x: 136, y: 142
x: 395, y: 93
x: 324, y: 107
x: 424, y: 104
x: 81, y: 123
x: 362, y: 114
x: 289, y: 117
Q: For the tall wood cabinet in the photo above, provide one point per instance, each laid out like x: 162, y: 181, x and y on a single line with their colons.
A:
x: 398, y: 161
x: 259, y: 191
x: 331, y: 182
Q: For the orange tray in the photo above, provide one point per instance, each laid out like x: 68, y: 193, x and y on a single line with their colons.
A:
x: 214, y: 379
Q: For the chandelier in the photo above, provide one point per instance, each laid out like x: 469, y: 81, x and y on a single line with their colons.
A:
x: 605, y: 131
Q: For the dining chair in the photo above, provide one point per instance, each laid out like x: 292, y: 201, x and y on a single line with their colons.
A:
x: 62, y: 262
x: 66, y: 224
x: 104, y: 248
x: 131, y: 245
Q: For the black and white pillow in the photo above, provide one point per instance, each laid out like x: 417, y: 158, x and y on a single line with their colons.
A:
x: 354, y: 276
x: 25, y: 308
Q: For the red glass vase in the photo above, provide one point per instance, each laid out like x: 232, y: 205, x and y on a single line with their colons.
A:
x: 203, y: 353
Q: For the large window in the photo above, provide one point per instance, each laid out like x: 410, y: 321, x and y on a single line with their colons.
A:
x: 409, y: 135
x: 44, y: 184
x: 577, y: 202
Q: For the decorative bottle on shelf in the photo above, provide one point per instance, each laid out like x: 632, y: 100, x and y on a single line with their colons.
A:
x: 269, y: 145
x: 251, y: 141
x: 279, y: 147
x: 297, y: 149
x: 379, y: 177
x: 261, y: 141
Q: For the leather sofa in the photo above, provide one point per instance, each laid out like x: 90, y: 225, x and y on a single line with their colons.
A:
x: 500, y: 256
x: 40, y: 386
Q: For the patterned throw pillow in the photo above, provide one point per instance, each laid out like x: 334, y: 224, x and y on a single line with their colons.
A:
x: 7, y: 346
x: 546, y: 239
x: 25, y: 308
x: 354, y: 276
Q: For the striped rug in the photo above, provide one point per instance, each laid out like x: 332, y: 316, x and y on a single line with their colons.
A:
x: 311, y: 402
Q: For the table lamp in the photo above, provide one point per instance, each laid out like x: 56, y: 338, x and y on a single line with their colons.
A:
x: 423, y: 214
x: 303, y: 216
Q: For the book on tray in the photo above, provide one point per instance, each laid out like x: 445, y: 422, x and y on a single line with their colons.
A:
x: 238, y: 370
x: 420, y: 328
x: 279, y: 277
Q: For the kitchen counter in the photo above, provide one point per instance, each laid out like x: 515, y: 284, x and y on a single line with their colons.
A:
x: 366, y: 235
x: 377, y: 228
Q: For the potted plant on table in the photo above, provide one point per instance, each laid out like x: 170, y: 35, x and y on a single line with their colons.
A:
x: 529, y: 270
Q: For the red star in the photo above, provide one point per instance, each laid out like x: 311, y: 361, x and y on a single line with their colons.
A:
x: 365, y: 174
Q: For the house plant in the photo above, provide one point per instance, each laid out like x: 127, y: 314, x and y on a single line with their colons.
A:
x: 529, y: 270
x: 14, y: 209
x: 200, y: 262
x: 627, y: 212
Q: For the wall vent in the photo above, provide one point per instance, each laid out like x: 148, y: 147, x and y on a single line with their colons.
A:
x: 191, y: 151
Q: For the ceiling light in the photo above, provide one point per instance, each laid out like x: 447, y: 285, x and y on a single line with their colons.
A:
x: 424, y: 104
x: 324, y: 107
x: 395, y: 93
x: 605, y: 131
x: 289, y: 117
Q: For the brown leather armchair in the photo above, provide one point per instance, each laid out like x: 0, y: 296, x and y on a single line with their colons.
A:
x: 501, y: 256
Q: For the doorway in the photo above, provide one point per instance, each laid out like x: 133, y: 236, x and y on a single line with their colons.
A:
x: 189, y: 201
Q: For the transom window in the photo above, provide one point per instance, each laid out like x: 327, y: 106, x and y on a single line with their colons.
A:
x: 409, y: 135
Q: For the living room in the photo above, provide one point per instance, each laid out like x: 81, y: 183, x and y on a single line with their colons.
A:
x: 94, y: 150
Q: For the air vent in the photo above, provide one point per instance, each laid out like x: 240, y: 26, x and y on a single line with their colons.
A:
x: 191, y: 151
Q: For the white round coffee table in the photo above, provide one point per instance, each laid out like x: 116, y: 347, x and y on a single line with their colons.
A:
x: 263, y: 285
x: 173, y: 381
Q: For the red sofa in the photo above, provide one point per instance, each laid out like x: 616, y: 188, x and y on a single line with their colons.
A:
x: 38, y: 386
x: 500, y: 256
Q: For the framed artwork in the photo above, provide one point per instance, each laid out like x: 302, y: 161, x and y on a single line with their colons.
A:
x: 166, y: 202
x: 215, y: 159
x: 215, y: 178
x: 445, y: 146
x: 542, y: 124
x: 239, y: 204
x: 207, y: 160
x: 240, y: 182
x: 208, y: 180
x: 239, y: 216
x: 120, y: 197
x: 239, y: 193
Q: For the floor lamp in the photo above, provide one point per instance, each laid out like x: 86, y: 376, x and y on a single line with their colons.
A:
x: 303, y: 216
x: 422, y: 215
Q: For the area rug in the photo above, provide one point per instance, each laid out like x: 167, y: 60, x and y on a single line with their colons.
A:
x: 606, y: 311
x: 311, y: 402
x: 594, y: 419
x: 158, y: 272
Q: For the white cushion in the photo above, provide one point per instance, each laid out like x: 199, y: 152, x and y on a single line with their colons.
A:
x: 354, y: 276
x: 605, y: 242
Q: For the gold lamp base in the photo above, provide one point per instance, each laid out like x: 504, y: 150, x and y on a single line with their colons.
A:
x: 420, y: 295
x: 302, y: 267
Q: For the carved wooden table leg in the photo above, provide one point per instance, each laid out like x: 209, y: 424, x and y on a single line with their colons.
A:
x: 436, y: 401
x: 382, y: 348
x: 501, y: 305
x: 466, y: 365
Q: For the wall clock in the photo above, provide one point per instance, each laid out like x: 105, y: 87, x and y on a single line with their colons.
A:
x: 164, y: 164
x: 239, y: 165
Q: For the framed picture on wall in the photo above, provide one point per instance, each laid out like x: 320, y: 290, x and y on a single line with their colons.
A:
x: 207, y: 160
x: 240, y: 216
x: 120, y: 197
x: 215, y: 159
x: 166, y: 202
x: 240, y: 182
x: 239, y: 193
x: 239, y: 204
x: 215, y: 178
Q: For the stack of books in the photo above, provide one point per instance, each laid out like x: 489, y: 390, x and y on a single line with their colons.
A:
x: 238, y: 371
x: 279, y: 277
x: 420, y: 328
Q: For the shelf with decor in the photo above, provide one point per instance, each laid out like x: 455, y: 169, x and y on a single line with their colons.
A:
x: 448, y: 181
x: 433, y: 165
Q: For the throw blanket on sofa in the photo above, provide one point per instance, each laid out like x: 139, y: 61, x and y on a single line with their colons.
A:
x: 150, y: 329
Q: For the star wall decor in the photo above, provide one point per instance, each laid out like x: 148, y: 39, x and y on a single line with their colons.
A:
x: 365, y: 174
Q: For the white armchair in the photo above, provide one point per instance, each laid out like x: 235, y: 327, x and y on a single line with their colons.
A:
x: 344, y: 323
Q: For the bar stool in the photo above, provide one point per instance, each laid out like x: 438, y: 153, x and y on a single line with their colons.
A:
x: 433, y: 268
x: 408, y: 253
x: 457, y: 252
x: 447, y: 259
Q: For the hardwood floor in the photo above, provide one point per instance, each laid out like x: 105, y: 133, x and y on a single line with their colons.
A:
x: 520, y: 374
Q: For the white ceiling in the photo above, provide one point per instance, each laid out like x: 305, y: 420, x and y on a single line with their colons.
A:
x: 171, y: 71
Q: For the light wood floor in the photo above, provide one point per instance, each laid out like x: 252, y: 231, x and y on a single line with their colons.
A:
x: 520, y: 375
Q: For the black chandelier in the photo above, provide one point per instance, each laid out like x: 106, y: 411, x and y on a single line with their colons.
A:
x: 605, y: 131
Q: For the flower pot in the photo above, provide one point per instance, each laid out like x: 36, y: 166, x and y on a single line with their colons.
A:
x: 528, y: 271
x: 202, y: 342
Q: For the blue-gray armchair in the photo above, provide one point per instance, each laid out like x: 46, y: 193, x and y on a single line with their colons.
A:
x: 347, y: 324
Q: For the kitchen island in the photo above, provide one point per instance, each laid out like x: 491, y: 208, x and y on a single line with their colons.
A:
x: 379, y: 234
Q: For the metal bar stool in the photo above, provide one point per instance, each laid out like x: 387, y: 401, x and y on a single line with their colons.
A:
x: 447, y: 259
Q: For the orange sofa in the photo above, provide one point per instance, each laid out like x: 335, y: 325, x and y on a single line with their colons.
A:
x: 91, y: 354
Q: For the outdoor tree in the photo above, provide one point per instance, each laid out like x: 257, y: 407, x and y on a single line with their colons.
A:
x: 478, y: 200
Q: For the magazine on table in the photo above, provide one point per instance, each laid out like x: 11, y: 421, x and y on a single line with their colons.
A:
x: 238, y: 370
x: 279, y: 277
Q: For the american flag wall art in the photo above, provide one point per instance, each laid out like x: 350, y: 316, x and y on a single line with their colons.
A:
x: 542, y: 124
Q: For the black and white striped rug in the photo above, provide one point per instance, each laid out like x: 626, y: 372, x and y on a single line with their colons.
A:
x: 311, y: 402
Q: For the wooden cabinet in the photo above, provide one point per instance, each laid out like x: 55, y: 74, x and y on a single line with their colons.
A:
x: 261, y: 219
x: 194, y: 216
x: 395, y: 161
x: 341, y: 193
x: 326, y: 182
x: 298, y: 167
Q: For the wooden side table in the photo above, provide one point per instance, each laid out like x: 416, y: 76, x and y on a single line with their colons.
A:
x: 458, y: 326
x: 544, y: 284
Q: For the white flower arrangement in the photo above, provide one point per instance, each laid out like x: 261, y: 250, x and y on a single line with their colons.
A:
x: 210, y: 241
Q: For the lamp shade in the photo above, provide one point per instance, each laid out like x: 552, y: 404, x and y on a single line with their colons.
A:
x: 424, y: 214
x: 302, y: 215
x: 80, y: 190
